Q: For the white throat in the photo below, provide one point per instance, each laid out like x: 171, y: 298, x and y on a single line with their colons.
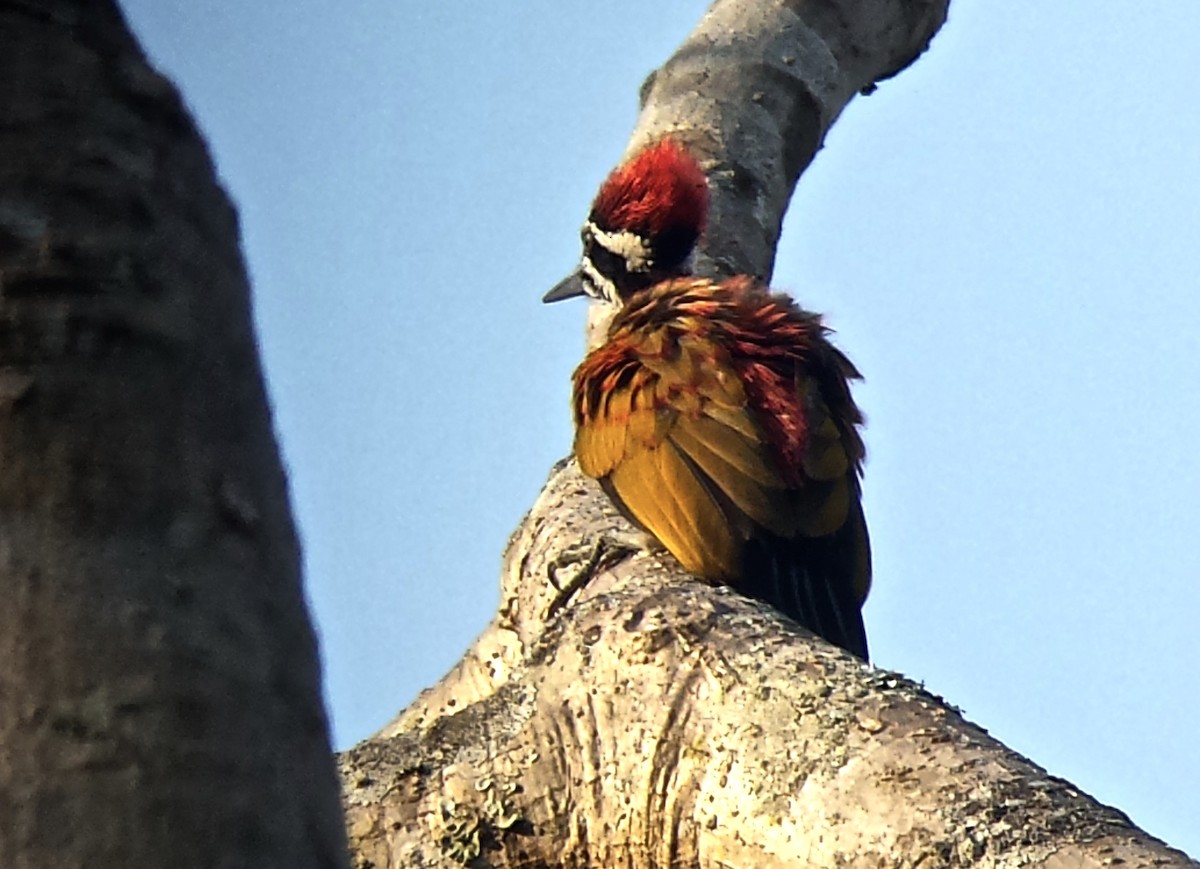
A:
x: 599, y: 317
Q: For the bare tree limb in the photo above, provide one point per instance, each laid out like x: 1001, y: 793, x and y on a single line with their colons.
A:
x: 655, y: 721
x: 619, y: 713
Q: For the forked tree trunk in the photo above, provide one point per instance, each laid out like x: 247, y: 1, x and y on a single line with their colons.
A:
x: 617, y: 713
x: 159, y: 688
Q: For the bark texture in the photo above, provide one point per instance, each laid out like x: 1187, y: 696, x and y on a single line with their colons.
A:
x: 159, y: 689
x: 619, y: 713
x: 628, y: 715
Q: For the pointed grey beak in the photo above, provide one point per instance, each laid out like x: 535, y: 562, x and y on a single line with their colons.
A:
x: 567, y: 288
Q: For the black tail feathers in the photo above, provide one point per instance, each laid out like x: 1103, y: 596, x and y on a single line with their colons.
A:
x: 810, y: 580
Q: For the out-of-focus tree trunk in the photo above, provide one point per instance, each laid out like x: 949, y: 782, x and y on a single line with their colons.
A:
x: 159, y: 689
x: 617, y: 712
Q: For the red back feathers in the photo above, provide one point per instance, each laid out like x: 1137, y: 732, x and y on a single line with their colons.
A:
x: 661, y: 188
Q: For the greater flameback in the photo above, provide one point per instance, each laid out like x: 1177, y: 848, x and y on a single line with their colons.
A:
x: 717, y: 415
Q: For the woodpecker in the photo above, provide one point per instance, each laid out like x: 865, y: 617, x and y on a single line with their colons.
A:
x: 716, y: 414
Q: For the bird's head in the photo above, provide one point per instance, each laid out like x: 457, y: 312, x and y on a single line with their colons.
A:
x: 643, y: 226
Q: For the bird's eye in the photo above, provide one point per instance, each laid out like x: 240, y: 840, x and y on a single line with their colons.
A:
x: 589, y: 284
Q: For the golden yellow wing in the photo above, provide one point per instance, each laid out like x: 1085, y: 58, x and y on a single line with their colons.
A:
x: 741, y: 459
x: 666, y: 426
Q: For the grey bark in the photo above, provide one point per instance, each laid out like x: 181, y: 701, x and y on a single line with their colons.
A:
x: 159, y: 689
x: 619, y: 713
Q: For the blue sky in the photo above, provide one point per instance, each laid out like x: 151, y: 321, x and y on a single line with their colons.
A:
x: 1004, y: 237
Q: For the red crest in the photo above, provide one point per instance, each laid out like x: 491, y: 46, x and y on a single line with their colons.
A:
x: 660, y: 188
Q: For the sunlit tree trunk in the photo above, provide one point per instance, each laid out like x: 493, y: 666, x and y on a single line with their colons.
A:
x: 159, y: 687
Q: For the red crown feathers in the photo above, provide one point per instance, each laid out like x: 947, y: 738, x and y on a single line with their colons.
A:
x: 661, y: 187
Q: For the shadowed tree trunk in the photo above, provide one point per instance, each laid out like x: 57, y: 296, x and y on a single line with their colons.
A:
x: 617, y: 712
x: 159, y: 689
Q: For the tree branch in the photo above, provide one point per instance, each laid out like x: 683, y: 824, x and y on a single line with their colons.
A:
x: 651, y: 720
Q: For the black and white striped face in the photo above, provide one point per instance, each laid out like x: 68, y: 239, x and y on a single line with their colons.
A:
x: 615, y: 264
x: 643, y: 226
x: 620, y: 262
